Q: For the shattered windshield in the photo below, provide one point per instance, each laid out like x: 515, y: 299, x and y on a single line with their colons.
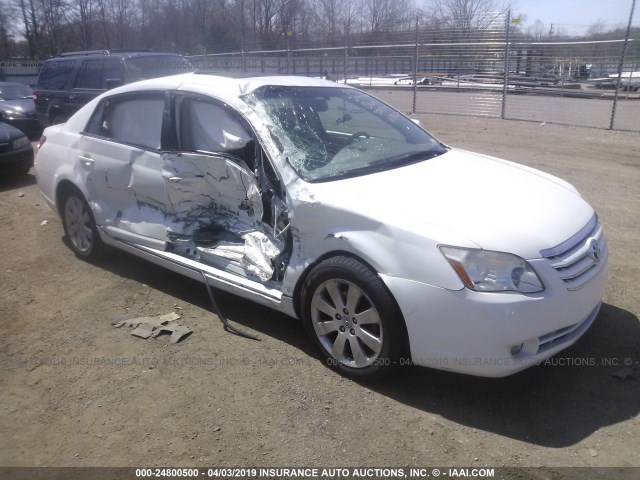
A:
x: 327, y: 133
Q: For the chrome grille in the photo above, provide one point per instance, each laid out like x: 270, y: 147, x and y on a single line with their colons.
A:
x: 578, y: 259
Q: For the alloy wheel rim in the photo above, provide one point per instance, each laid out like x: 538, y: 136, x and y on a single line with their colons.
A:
x: 347, y: 323
x: 78, y: 223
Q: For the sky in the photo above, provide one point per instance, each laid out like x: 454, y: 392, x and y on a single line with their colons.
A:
x: 573, y: 14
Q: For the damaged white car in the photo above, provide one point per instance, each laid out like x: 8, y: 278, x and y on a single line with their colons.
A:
x: 320, y: 201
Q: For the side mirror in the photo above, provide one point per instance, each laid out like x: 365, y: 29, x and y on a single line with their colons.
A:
x: 113, y: 83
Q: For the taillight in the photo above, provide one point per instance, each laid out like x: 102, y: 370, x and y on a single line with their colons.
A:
x: 35, y: 95
x: 40, y: 143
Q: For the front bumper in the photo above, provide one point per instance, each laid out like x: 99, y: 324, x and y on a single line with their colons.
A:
x: 474, y: 332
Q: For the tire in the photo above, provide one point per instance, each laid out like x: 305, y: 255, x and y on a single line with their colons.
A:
x: 353, y: 319
x: 80, y: 226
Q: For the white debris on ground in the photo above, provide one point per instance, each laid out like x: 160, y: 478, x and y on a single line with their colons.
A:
x: 145, y: 327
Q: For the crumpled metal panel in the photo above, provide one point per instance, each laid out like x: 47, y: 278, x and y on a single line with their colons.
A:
x: 217, y: 185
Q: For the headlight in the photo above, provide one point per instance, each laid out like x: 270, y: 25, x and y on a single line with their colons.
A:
x: 21, y: 142
x: 486, y: 271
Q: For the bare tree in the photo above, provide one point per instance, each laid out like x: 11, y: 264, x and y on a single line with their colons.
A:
x: 5, y: 26
x: 80, y: 18
x: 30, y: 25
x: 596, y: 30
x: 117, y: 18
x: 538, y: 31
x: 388, y: 15
x: 327, y: 16
x: 52, y: 13
x: 351, y: 12
x: 467, y: 14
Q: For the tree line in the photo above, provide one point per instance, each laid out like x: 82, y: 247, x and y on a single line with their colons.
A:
x: 38, y: 29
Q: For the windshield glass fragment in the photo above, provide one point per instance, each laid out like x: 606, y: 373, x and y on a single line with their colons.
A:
x: 329, y: 133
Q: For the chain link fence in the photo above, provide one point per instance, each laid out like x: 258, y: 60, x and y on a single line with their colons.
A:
x: 484, y: 69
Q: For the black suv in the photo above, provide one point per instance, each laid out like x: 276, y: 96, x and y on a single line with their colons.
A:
x: 70, y: 80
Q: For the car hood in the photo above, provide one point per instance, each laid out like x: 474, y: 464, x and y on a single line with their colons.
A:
x: 8, y: 133
x: 493, y: 204
x: 22, y: 105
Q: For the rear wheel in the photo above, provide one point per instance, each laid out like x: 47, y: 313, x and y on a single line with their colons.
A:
x: 80, y: 226
x: 353, y: 318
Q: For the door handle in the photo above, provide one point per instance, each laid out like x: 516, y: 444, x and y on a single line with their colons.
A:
x: 86, y: 160
x: 175, y: 179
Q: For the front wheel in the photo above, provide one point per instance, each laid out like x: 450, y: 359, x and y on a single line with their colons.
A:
x: 353, y: 318
x: 80, y: 227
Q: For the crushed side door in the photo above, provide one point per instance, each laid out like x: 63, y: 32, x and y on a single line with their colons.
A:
x: 217, y: 212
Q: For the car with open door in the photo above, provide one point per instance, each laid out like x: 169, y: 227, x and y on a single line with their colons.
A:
x: 320, y: 201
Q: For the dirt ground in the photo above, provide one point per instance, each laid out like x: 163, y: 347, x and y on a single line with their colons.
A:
x: 74, y: 391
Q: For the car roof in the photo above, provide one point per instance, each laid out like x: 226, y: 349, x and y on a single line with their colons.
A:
x: 221, y: 85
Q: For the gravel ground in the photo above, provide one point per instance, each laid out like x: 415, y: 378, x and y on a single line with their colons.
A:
x: 74, y: 391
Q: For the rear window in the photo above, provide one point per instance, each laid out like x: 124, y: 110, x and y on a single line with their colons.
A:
x: 55, y: 74
x: 153, y: 66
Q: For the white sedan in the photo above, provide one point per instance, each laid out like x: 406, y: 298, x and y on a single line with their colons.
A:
x: 320, y: 201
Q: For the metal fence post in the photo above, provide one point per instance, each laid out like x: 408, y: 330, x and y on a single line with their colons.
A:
x: 346, y: 44
x: 415, y: 70
x: 506, y: 66
x: 621, y: 66
x: 288, y: 55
